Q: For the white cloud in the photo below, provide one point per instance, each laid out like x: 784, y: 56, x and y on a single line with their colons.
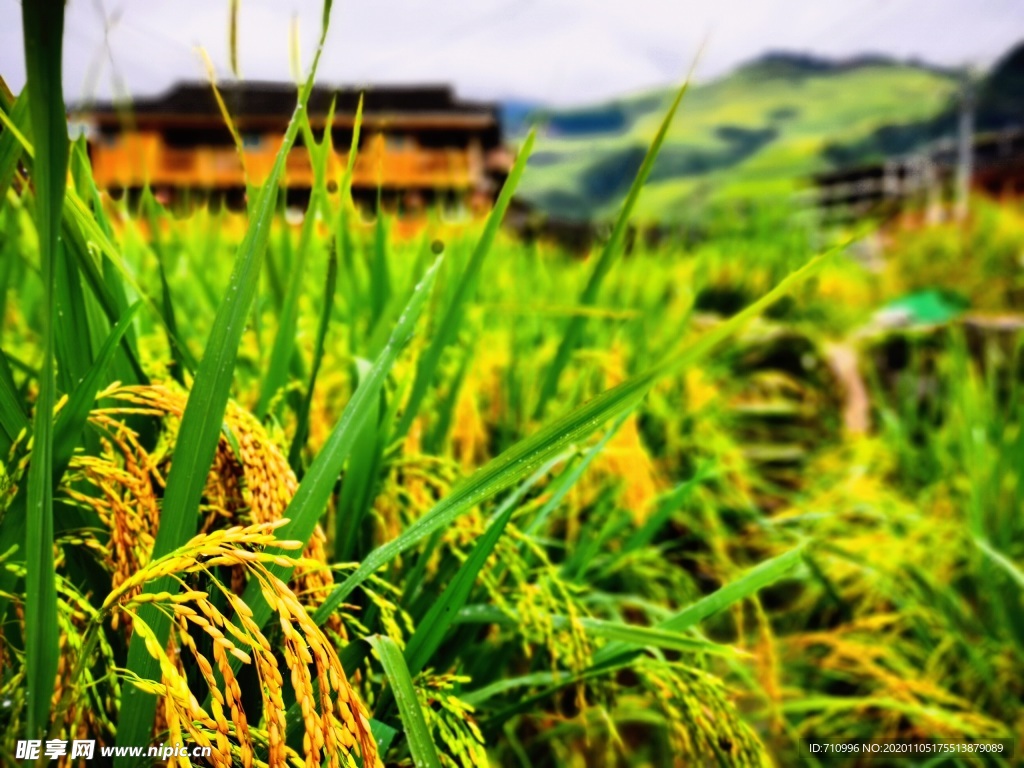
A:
x: 561, y: 51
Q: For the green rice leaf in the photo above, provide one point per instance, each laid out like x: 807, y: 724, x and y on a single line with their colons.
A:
x: 310, y: 500
x: 383, y: 734
x: 284, y: 341
x: 439, y: 619
x: 754, y: 580
x: 566, y: 482
x: 357, y: 492
x: 445, y: 409
x: 201, y: 426
x: 302, y: 417
x: 641, y: 637
x: 480, y: 695
x: 75, y: 413
x: 380, y: 275
x: 180, y: 357
x: 73, y: 345
x: 12, y: 415
x: 612, y: 249
x: 522, y: 458
x: 281, y: 352
x: 83, y: 232
x: 104, y: 283
x: 43, y: 27
x: 449, y: 326
x: 10, y: 148
x: 1010, y: 568
x: 421, y: 745
x: 557, y: 682
x: 623, y: 634
x: 666, y: 507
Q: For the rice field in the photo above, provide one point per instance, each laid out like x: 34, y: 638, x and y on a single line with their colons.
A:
x: 326, y: 489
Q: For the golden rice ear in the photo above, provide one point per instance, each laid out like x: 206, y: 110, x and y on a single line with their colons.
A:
x: 335, y: 721
x: 250, y: 482
x: 703, y: 725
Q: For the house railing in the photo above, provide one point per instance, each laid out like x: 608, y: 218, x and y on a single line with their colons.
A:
x: 131, y: 160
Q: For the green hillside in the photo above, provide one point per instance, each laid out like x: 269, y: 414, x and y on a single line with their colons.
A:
x: 758, y: 131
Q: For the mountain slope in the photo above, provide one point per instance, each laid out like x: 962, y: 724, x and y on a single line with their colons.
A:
x: 758, y: 131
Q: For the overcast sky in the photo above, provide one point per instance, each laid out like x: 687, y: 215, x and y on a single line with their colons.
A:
x: 556, y: 51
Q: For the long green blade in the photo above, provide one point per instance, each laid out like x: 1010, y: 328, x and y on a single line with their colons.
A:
x: 752, y: 581
x: 424, y: 753
x: 445, y: 333
x: 284, y: 341
x: 435, y: 625
x: 10, y: 148
x: 618, y: 654
x: 666, y: 507
x: 1006, y: 564
x: 313, y: 493
x: 72, y: 342
x: 523, y: 457
x: 568, y: 480
x: 82, y: 231
x: 302, y: 418
x: 201, y: 423
x: 631, y: 635
x: 12, y: 415
x: 180, y: 358
x: 612, y: 249
x: 639, y: 636
x: 75, y: 412
x: 43, y: 27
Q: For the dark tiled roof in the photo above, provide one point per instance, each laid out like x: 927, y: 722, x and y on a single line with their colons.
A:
x: 274, y: 99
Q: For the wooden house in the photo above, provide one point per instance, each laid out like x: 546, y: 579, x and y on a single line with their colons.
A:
x: 417, y: 144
